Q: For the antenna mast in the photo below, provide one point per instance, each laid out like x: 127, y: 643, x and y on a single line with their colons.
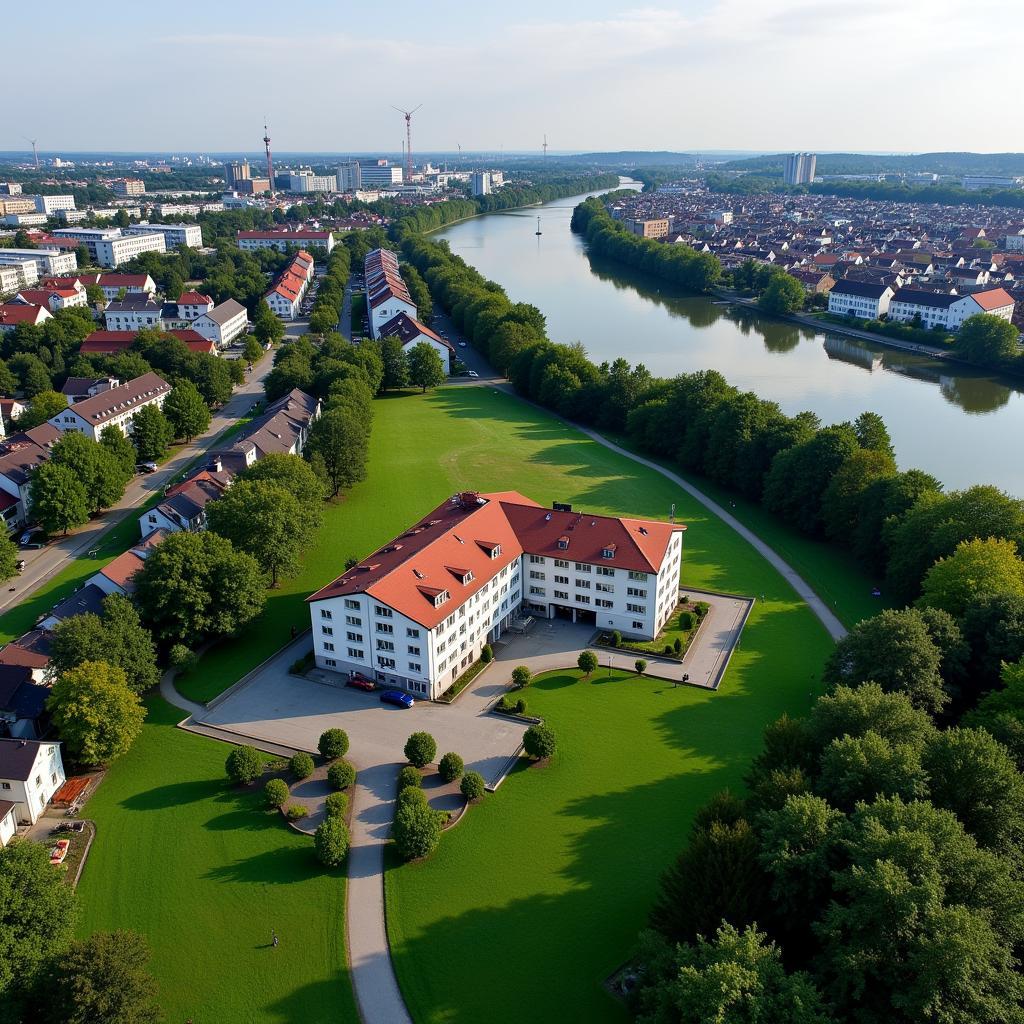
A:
x: 545, y: 146
x: 270, y: 159
x: 35, y: 152
x: 407, y: 114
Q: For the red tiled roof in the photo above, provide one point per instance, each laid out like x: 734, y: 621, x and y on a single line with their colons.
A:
x: 122, y: 569
x: 993, y: 299
x: 194, y: 299
x: 416, y: 566
x: 20, y: 313
x: 115, y: 342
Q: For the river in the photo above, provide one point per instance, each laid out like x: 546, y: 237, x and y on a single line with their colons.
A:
x: 962, y: 426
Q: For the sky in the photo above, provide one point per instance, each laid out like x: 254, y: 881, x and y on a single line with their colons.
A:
x: 767, y: 75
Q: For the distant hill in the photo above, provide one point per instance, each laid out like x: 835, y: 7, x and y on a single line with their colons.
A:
x: 911, y: 163
x: 635, y: 158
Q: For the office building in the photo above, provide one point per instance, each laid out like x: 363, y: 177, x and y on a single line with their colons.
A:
x: 379, y: 174
x: 174, y: 234
x: 976, y: 182
x: 349, y: 177
x: 480, y: 183
x: 283, y: 239
x: 48, y: 262
x: 128, y: 186
x: 236, y: 171
x: 304, y: 180
x: 109, y: 247
x: 800, y: 168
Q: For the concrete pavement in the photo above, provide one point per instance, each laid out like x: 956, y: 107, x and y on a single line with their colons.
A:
x: 45, y: 563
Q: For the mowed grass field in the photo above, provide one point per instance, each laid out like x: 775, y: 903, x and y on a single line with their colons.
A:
x: 539, y: 894
x: 205, y: 872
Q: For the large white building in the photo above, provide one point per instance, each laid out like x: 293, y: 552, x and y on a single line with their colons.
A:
x: 799, y: 168
x: 174, y: 234
x: 110, y: 247
x: 379, y: 174
x: 937, y: 309
x: 114, y: 407
x: 480, y: 183
x: 24, y: 220
x: 862, y: 299
x: 304, y: 180
x: 416, y: 613
x: 31, y: 771
x: 18, y: 274
x: 282, y: 240
x: 51, y: 204
x: 49, y: 262
x: 349, y: 177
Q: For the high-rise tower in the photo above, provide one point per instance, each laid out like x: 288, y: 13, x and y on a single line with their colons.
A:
x: 270, y: 159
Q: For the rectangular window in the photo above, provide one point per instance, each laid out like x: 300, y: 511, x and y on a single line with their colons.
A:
x: 385, y: 627
x: 386, y: 662
x: 603, y: 603
x: 639, y: 609
x: 582, y: 567
x: 562, y: 595
x: 349, y: 603
x: 640, y: 576
x: 353, y: 620
x: 638, y: 625
x: 330, y: 662
x: 409, y: 631
x: 385, y: 645
x: 325, y: 613
x: 537, y: 590
x: 603, y: 570
x: 636, y: 592
x: 414, y: 666
x: 537, y: 559
x: 564, y: 580
x: 605, y: 588
x: 327, y: 631
x: 582, y: 599
x: 356, y: 638
x: 412, y: 650
x: 561, y: 563
x: 535, y: 575
x: 328, y: 646
x: 384, y: 613
x: 583, y: 584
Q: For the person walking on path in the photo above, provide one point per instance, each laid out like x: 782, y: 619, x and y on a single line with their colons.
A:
x: 273, y: 938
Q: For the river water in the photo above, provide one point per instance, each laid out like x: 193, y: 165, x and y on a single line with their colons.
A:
x: 962, y: 426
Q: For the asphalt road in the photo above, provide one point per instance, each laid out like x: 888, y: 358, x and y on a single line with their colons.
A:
x: 44, y: 563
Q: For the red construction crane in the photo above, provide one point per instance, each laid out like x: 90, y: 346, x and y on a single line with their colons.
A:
x: 408, y: 138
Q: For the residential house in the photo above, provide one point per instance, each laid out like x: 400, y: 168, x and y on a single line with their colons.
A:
x: 30, y: 650
x: 14, y: 313
x: 115, y: 407
x: 23, y: 712
x: 183, y: 507
x: 285, y: 297
x: 87, y: 599
x: 20, y: 454
x: 31, y: 771
x: 54, y: 299
x: 75, y: 389
x: 132, y: 313
x: 284, y: 239
x: 222, y: 324
x: 416, y: 613
x: 111, y: 343
x: 411, y: 332
x: 386, y: 291
x: 860, y: 299
x: 949, y: 311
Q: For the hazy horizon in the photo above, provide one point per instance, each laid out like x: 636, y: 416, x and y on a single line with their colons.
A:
x: 710, y: 75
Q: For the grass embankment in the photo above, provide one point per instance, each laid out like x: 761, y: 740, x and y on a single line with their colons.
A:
x: 205, y: 872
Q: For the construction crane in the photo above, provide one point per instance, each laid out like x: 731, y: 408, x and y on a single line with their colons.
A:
x: 35, y: 152
x: 407, y: 114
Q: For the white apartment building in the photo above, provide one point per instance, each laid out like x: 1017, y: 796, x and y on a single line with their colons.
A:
x: 283, y: 240
x: 304, y: 180
x: 386, y: 292
x: 416, y: 613
x: 861, y: 299
x: 51, y: 204
x: 936, y: 309
x: 49, y: 262
x: 174, y: 234
x: 132, y: 313
x: 22, y: 274
x: 109, y: 247
x: 349, y: 177
x: 379, y: 174
x: 114, y: 407
x: 480, y: 183
x: 31, y: 771
x: 128, y: 186
x: 223, y: 323
x: 24, y: 220
x: 974, y: 182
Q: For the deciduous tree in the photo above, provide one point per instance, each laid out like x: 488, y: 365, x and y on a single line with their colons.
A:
x: 426, y: 368
x: 186, y: 411
x: 59, y: 499
x: 151, y: 433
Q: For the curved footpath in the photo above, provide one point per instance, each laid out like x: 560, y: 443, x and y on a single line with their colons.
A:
x: 366, y: 940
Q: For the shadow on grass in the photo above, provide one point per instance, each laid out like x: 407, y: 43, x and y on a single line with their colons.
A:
x: 173, y: 795
x: 310, y: 1002
x: 288, y: 865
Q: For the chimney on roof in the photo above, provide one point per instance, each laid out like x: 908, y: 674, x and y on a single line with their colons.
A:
x: 216, y: 464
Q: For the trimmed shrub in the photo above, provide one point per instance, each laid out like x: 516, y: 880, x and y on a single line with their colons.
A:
x: 640, y: 665
x: 472, y: 785
x: 244, y: 765
x: 450, y: 767
x: 512, y: 705
x: 686, y: 599
x: 276, y: 792
x: 331, y: 841
x: 616, y: 638
x: 412, y: 795
x: 297, y: 811
x: 587, y: 663
x: 301, y: 765
x: 702, y: 609
x: 420, y: 749
x: 333, y: 743
x: 687, y: 620
x: 181, y: 657
x: 336, y: 805
x: 341, y: 774
x: 409, y: 776
x: 520, y: 676
x: 539, y: 741
x: 668, y: 649
x: 487, y: 654
x: 677, y: 646
x: 417, y: 827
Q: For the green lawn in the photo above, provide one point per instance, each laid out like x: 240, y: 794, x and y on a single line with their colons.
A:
x: 205, y: 873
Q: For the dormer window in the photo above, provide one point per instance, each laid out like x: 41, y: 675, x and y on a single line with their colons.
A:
x: 439, y: 599
x: 492, y: 548
x: 563, y: 543
x: 608, y: 551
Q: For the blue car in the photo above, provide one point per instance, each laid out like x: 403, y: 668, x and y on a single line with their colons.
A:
x: 396, y: 697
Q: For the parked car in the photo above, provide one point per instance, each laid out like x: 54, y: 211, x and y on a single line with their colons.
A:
x: 34, y: 545
x: 146, y: 467
x: 29, y: 533
x: 396, y: 697
x: 462, y: 344
x: 362, y: 683
x: 19, y: 565
x: 472, y: 373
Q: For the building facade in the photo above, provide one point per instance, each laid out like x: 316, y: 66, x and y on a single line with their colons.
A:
x: 174, y: 234
x: 416, y: 613
x: 31, y: 771
x: 283, y: 240
x: 799, y: 168
x: 861, y: 299
x: 115, y: 407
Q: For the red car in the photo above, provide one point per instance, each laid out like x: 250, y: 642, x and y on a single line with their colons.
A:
x: 362, y: 683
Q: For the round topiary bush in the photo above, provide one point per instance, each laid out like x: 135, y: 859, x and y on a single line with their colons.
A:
x: 276, y: 792
x: 616, y: 638
x: 520, y: 676
x: 687, y: 620
x: 587, y: 663
x: 420, y: 749
x: 297, y: 811
x: 417, y: 826
x: 331, y: 841
x: 539, y: 741
x: 301, y: 765
x: 244, y: 765
x: 341, y: 774
x: 450, y: 767
x: 640, y: 665
x: 409, y: 776
x: 487, y: 654
x: 472, y: 785
x: 668, y: 649
x: 336, y: 805
x: 181, y: 657
x: 333, y: 743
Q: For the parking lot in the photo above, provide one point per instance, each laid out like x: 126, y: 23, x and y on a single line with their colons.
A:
x: 277, y: 707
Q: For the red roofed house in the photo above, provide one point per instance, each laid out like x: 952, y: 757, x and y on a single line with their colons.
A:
x: 411, y: 332
x: 285, y: 297
x: 417, y: 612
x: 54, y: 298
x: 14, y: 313
x: 114, y: 407
x: 111, y: 343
x: 386, y: 292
